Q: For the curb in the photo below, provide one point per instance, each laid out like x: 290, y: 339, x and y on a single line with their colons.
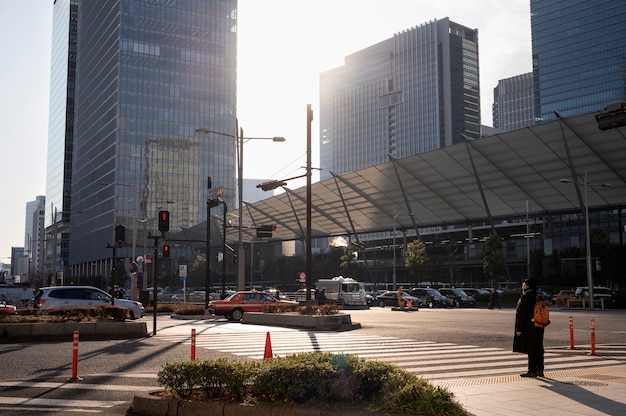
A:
x: 147, y: 404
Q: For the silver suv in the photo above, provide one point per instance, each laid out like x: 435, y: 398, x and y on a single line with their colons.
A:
x: 602, y: 296
x: 65, y: 297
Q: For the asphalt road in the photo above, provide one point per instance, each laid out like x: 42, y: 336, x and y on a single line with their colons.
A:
x: 36, y: 375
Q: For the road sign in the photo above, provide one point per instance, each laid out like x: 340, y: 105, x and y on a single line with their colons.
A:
x: 182, y: 271
x: 302, y: 277
x: 215, y: 193
x: 148, y: 258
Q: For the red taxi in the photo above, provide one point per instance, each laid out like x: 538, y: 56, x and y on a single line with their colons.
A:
x: 234, y: 306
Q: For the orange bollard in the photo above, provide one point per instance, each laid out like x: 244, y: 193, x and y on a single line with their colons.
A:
x: 571, y: 333
x: 193, y: 344
x: 409, y: 304
x: 593, y: 337
x: 75, y: 358
x: 268, y: 348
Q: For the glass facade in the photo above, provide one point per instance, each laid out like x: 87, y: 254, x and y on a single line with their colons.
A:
x: 579, y: 56
x: 60, y: 138
x: 150, y: 73
x: 413, y: 93
x: 513, y: 103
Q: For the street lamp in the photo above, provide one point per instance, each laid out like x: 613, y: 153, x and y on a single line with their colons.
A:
x: 587, y: 232
x: 239, y: 141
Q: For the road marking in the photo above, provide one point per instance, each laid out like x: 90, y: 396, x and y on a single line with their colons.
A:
x: 72, y: 385
x: 427, y: 359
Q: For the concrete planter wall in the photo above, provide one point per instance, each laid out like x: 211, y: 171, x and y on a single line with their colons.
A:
x: 146, y: 404
x: 64, y: 330
x: 338, y: 322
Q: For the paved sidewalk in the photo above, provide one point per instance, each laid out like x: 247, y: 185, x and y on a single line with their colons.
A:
x: 588, y: 392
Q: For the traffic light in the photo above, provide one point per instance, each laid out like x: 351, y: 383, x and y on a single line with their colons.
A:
x: 164, y: 221
x: 265, y: 231
x: 120, y: 233
x: 166, y: 251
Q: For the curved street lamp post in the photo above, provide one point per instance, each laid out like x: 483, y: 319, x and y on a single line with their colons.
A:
x: 239, y: 141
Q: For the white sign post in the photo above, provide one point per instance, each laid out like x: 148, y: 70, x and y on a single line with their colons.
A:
x: 182, y: 273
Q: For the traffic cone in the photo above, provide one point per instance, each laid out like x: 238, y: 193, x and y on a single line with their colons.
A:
x: 409, y: 304
x: 268, y: 347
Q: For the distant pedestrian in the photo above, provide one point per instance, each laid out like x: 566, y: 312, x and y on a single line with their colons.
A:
x: 400, y: 297
x: 495, y: 299
x: 528, y: 338
x: 322, y: 297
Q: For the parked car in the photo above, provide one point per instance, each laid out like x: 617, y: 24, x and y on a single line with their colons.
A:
x: 235, y: 305
x: 9, y: 309
x: 390, y: 298
x: 546, y: 296
x: 431, y: 298
x: 65, y: 297
x: 602, y: 296
x: 479, y: 295
x: 564, y: 295
x: 458, y: 297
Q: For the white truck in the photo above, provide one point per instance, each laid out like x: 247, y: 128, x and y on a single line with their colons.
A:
x: 343, y: 290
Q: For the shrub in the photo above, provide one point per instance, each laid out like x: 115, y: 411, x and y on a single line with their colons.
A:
x: 340, y: 380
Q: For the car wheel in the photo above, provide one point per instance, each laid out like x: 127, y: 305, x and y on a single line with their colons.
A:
x: 381, y: 304
x: 132, y: 315
x: 237, y: 314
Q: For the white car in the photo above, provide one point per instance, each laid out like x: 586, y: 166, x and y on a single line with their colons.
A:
x: 65, y: 297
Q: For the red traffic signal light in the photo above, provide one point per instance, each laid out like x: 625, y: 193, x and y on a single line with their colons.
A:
x: 166, y: 250
x: 164, y: 221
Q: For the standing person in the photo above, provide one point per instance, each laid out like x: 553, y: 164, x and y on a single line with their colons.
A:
x: 495, y: 299
x: 322, y: 299
x: 528, y: 338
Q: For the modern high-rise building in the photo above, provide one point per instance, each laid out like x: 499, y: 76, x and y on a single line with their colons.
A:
x: 60, y: 138
x: 513, y: 106
x: 579, y: 56
x: 34, y: 240
x: 147, y: 75
x: 412, y: 93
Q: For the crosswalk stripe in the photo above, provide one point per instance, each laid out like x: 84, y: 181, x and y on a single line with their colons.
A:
x: 18, y: 401
x: 75, y: 386
x: 424, y: 358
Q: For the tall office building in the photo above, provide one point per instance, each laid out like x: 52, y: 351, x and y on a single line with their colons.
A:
x: 579, y: 56
x: 412, y: 93
x: 60, y: 138
x: 34, y: 238
x: 513, y: 103
x: 148, y: 74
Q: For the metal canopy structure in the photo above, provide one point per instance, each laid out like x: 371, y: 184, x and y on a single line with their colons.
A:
x: 481, y: 181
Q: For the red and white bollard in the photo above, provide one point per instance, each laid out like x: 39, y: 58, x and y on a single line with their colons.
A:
x: 193, y: 344
x: 593, y: 337
x: 75, y: 359
x: 571, y: 333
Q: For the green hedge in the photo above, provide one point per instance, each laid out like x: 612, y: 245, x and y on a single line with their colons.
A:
x: 341, y: 380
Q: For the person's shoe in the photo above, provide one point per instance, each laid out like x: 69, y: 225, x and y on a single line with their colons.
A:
x: 540, y: 374
x: 529, y: 374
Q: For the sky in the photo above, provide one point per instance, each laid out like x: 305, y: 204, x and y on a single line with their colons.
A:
x: 283, y: 47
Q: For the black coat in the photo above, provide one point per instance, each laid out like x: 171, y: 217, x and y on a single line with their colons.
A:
x: 531, y: 339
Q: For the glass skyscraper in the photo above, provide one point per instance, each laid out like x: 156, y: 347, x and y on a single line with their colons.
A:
x: 579, y: 56
x: 60, y: 139
x: 513, y: 103
x: 148, y: 73
x: 409, y: 94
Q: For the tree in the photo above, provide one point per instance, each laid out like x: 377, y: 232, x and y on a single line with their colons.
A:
x: 349, y: 266
x: 494, y: 264
x: 415, y: 259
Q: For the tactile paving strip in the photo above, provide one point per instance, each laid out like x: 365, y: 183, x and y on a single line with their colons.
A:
x: 588, y: 373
